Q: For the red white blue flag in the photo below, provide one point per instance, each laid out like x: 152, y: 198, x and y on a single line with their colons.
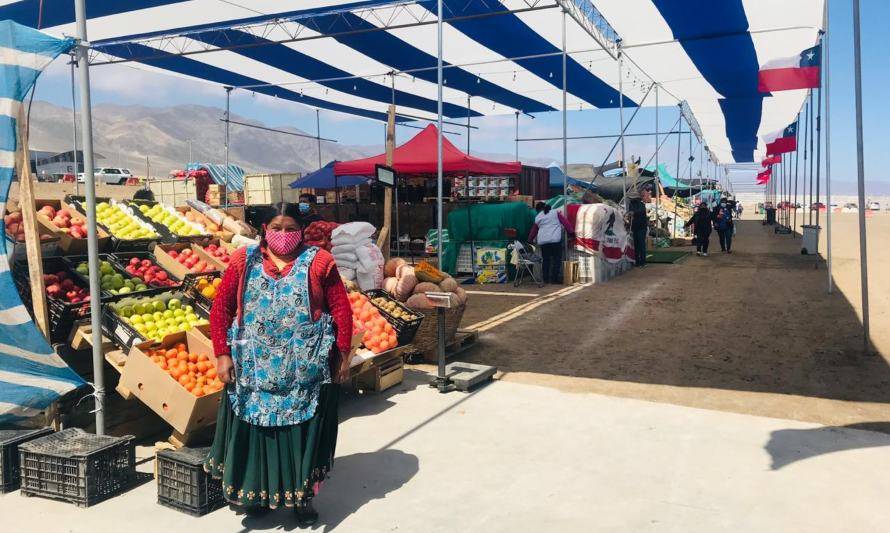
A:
x: 764, y: 176
x: 787, y: 73
x: 781, y: 142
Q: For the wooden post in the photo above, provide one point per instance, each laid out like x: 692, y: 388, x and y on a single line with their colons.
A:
x: 29, y: 219
x: 386, y: 230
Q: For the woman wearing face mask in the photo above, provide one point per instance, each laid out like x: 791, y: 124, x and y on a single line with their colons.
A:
x: 281, y: 328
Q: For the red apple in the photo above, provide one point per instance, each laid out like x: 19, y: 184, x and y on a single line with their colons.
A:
x: 173, y: 253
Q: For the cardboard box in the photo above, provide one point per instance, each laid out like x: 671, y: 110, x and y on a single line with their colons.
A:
x: 158, y: 390
x: 175, y: 267
x: 68, y: 244
x: 211, y: 260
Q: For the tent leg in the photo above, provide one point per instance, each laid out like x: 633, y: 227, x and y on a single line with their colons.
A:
x: 657, y: 177
x: 565, y: 133
x: 90, y: 190
x: 228, y: 121
x: 860, y: 171
x: 73, y: 62
x: 828, y: 153
x: 621, y: 118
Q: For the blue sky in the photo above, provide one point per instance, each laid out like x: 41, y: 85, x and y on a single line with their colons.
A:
x: 123, y: 85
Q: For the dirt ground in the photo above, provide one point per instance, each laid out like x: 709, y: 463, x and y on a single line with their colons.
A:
x: 753, y: 332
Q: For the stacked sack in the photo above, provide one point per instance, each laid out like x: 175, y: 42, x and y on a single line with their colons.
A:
x: 409, y: 284
x: 358, y: 259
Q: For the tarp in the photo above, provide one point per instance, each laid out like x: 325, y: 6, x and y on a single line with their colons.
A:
x: 324, y: 178
x: 32, y: 376
x: 234, y: 180
x: 308, y: 51
x: 485, y: 222
x: 419, y: 156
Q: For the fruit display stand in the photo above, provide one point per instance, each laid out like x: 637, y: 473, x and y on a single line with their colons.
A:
x: 166, y: 393
x: 124, y: 331
x: 202, y: 289
x: 67, y: 297
x: 58, y: 219
x: 216, y: 230
x: 120, y: 240
x: 144, y: 266
x: 115, y: 281
x: 170, y: 256
x: 168, y: 221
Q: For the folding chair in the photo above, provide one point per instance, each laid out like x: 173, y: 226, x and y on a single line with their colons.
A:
x: 528, y: 262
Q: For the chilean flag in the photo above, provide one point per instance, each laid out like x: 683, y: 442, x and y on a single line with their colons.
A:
x: 781, y: 142
x: 764, y: 176
x: 771, y: 160
x: 787, y: 73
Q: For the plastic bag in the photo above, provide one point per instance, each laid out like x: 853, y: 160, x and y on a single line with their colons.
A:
x: 352, y: 233
x: 346, y: 272
x: 370, y: 257
x: 370, y: 280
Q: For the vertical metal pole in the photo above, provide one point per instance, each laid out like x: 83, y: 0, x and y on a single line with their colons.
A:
x: 439, y: 315
x: 828, y: 150
x: 812, y: 122
x: 621, y: 118
x: 806, y: 158
x: 565, y: 134
x: 677, y: 179
x: 818, y: 153
x: 90, y: 189
x: 796, y: 171
x: 228, y: 119
x: 517, y: 136
x: 860, y: 171
x: 318, y: 135
x: 657, y: 168
x: 190, y: 152
x: 73, y: 62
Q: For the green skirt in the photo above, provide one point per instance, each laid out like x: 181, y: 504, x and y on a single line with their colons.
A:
x: 273, y: 466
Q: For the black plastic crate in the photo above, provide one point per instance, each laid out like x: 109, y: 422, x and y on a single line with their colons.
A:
x: 190, y: 289
x: 184, y: 485
x: 405, y: 329
x: 75, y: 260
x: 62, y: 315
x: 10, y: 439
x: 122, y: 334
x: 77, y: 466
x: 117, y: 244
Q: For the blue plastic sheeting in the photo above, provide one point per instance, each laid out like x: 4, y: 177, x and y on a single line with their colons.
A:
x: 324, y: 178
x: 32, y: 376
x: 234, y: 181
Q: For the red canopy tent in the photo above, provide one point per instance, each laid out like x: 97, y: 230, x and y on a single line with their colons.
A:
x: 418, y: 156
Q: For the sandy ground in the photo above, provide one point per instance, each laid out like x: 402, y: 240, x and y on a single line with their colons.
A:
x: 753, y: 332
x: 520, y: 459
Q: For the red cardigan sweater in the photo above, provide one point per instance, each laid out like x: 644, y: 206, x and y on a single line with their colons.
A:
x: 326, y: 294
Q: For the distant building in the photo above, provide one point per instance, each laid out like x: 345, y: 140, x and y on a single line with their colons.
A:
x: 51, y: 166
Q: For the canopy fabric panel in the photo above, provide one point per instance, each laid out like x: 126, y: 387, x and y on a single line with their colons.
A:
x: 32, y: 376
x: 420, y: 156
x: 324, y: 178
x: 233, y: 179
x: 501, y: 56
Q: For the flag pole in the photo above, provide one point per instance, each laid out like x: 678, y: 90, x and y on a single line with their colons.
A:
x: 860, y: 172
x: 828, y: 151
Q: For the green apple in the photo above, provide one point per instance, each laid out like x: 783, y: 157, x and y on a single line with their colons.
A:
x: 158, y: 316
x: 168, y: 314
x: 174, y: 304
x: 159, y: 305
x: 137, y: 319
x: 179, y: 313
x: 189, y: 309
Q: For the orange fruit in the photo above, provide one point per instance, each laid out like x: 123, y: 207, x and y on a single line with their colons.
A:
x: 217, y: 281
x: 209, y: 292
x: 203, y: 357
x: 176, y: 373
x: 163, y: 364
x: 171, y: 353
x: 181, y: 347
x: 182, y: 356
x: 189, y: 386
x: 193, y: 357
x: 183, y: 379
x: 191, y: 366
x: 198, y: 391
x: 211, y: 372
x: 201, y: 366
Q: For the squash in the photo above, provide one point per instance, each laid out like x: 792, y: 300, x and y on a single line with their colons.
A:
x: 427, y: 272
x: 461, y: 295
x: 389, y: 285
x: 404, y: 286
x: 419, y: 301
x: 389, y: 270
x: 448, y: 284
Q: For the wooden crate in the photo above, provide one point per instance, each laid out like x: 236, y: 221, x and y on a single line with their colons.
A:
x: 380, y: 378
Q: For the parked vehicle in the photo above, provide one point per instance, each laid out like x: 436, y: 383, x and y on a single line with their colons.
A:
x: 817, y: 205
x: 109, y: 175
x: 874, y: 206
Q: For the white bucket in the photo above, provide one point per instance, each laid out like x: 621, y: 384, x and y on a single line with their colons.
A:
x: 810, y: 243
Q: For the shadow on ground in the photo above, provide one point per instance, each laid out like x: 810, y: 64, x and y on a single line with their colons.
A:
x: 787, y: 446
x: 758, y: 320
x: 355, y: 481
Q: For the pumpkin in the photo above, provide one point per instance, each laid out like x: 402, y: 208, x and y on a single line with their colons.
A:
x: 426, y: 286
x: 389, y: 270
x: 461, y: 295
x: 448, y: 284
x: 418, y: 301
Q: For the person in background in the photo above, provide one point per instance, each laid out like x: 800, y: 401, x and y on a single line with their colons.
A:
x: 723, y: 223
x: 307, y: 209
x: 639, y: 222
x: 701, y: 227
x: 281, y: 326
x: 546, y: 232
x: 738, y: 210
x: 202, y: 184
x: 145, y: 195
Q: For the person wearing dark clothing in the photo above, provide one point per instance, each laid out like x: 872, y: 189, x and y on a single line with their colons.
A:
x: 547, y: 233
x: 724, y: 225
x: 307, y: 209
x: 701, y: 228
x: 639, y: 223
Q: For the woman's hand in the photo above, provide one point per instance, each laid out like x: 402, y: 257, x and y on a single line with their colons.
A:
x: 343, y: 371
x: 225, y: 369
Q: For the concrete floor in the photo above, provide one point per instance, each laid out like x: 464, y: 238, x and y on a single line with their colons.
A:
x: 514, y: 457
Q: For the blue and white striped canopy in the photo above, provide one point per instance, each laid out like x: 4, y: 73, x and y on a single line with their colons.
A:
x: 31, y: 374
x: 505, y: 55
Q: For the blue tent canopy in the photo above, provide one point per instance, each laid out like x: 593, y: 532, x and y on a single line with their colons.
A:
x: 556, y: 179
x: 235, y: 176
x: 324, y: 178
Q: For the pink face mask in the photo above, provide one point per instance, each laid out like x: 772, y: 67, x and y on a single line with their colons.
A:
x: 284, y: 242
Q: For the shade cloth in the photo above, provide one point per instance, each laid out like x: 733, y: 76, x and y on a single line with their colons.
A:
x: 419, y: 156
x: 324, y: 178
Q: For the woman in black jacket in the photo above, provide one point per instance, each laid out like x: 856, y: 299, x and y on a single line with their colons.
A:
x: 701, y: 223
